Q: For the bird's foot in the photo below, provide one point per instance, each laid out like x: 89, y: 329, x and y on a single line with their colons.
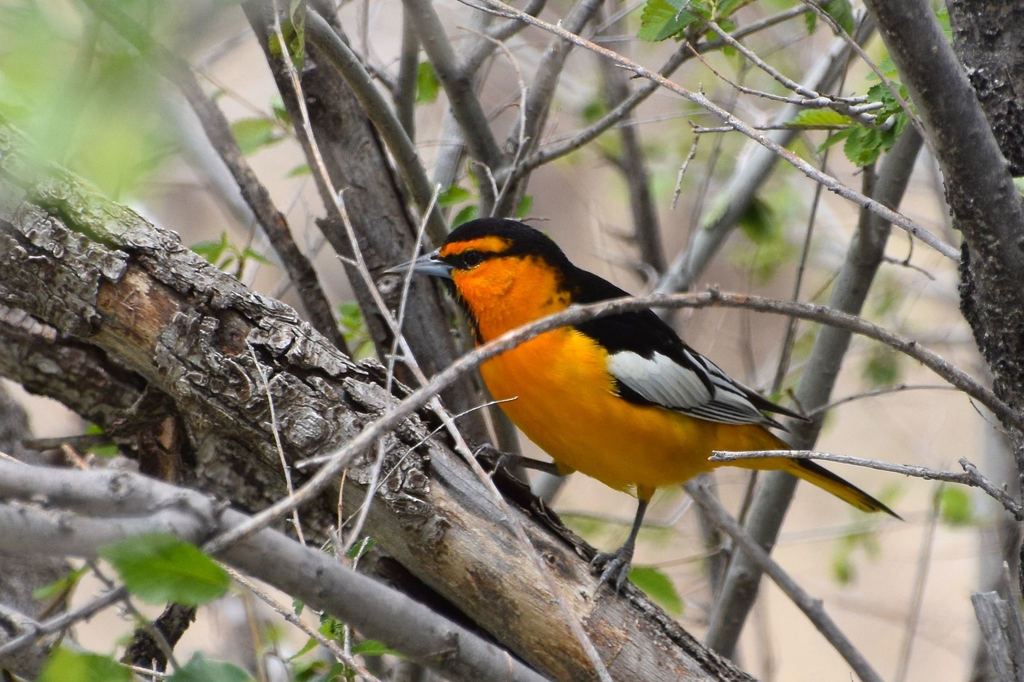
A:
x: 613, y: 567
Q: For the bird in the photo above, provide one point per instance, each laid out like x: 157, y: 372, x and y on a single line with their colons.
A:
x: 621, y: 398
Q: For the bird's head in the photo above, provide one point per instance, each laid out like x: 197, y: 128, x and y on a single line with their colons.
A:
x: 504, y: 273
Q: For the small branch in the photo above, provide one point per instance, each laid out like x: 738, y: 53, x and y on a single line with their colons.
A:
x: 811, y: 607
x: 377, y: 110
x: 316, y: 578
x: 496, y: 35
x: 457, y: 85
x: 971, y: 476
x: 405, y: 86
x: 808, y: 96
x: 701, y: 100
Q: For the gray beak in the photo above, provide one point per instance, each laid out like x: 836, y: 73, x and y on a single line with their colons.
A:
x: 428, y: 264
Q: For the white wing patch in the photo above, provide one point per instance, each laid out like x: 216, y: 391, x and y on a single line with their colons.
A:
x: 659, y: 379
x: 663, y: 381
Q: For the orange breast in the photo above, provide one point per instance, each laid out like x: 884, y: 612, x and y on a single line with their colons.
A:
x: 565, y: 403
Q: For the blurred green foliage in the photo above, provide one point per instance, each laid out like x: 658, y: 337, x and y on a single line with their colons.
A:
x: 85, y: 97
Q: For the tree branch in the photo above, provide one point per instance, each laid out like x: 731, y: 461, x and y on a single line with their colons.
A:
x: 811, y: 607
x: 817, y: 381
x: 314, y: 577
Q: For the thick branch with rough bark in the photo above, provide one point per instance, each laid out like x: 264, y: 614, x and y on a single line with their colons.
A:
x: 98, y: 272
x: 986, y: 205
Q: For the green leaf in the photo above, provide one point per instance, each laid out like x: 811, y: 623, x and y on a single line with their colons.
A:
x: 212, y: 251
x: 524, y: 206
x: 465, y: 215
x: 332, y: 628
x: 841, y: 12
x: 252, y: 134
x: 250, y: 254
x: 843, y: 569
x: 280, y: 111
x: 758, y: 222
x: 65, y: 665
x: 106, y: 451
x: 371, y: 647
x: 662, y: 19
x: 202, y: 669
x: 427, y: 85
x: 658, y: 587
x: 60, y: 585
x: 819, y: 118
x: 882, y: 367
x: 360, y: 548
x: 453, y: 195
x: 955, y: 506
x: 301, y: 169
x: 160, y: 568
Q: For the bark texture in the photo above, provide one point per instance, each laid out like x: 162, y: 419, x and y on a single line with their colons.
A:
x: 989, y: 40
x: 97, y: 272
x: 986, y: 206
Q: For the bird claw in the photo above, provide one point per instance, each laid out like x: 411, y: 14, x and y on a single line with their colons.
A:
x: 613, y: 568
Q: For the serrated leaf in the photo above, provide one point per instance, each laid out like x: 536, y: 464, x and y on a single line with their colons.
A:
x: 252, y: 134
x: 427, y: 85
x: 65, y: 665
x: 955, y: 506
x: 465, y: 215
x: 656, y: 585
x: 453, y: 195
x: 160, y: 568
x: 202, y: 669
x: 663, y: 19
x: 819, y: 118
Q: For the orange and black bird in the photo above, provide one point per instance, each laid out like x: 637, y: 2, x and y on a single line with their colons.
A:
x: 620, y: 398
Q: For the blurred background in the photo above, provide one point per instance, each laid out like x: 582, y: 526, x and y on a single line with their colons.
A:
x: 899, y: 590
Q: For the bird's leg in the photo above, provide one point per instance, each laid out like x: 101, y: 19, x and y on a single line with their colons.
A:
x: 614, y: 567
x: 506, y: 460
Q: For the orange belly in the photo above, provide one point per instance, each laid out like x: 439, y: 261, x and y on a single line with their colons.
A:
x: 564, y: 401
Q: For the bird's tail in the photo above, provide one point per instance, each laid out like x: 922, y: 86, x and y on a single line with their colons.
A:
x: 818, y: 475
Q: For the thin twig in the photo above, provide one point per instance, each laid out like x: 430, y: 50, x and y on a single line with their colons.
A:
x: 285, y: 467
x: 700, y: 99
x: 917, y: 597
x: 682, y: 54
x: 289, y: 615
x: 811, y: 607
x: 457, y: 85
x: 380, y: 114
x: 971, y: 476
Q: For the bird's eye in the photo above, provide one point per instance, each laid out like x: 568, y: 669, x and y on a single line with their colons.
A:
x: 471, y: 259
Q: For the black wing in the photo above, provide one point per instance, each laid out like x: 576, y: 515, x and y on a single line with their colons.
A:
x: 653, y: 366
